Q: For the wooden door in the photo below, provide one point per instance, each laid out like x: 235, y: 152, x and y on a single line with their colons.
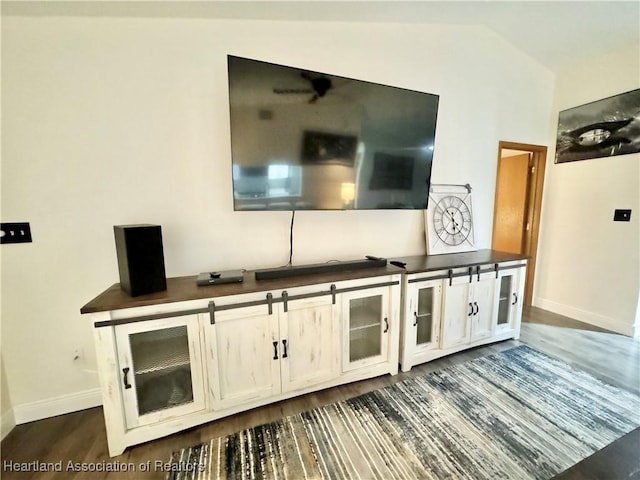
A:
x: 510, y: 188
x: 511, y: 203
x: 308, y: 330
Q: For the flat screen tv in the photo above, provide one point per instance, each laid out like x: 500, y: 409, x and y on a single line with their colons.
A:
x: 306, y: 140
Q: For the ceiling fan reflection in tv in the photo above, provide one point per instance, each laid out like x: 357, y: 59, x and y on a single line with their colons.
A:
x: 319, y: 86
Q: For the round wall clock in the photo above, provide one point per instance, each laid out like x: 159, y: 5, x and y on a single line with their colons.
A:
x: 449, y: 220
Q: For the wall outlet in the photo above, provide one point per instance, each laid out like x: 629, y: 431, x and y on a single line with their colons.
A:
x: 78, y: 357
x: 15, y: 232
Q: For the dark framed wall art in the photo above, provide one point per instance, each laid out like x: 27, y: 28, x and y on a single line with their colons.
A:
x: 329, y: 148
x: 603, y: 128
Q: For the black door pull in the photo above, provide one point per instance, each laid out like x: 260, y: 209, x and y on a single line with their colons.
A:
x: 275, y: 350
x: 126, y: 373
x: 284, y: 344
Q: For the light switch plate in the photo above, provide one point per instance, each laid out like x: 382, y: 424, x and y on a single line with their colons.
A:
x: 620, y: 215
x: 15, y: 232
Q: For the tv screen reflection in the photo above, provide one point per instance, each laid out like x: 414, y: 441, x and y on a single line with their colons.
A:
x: 305, y: 140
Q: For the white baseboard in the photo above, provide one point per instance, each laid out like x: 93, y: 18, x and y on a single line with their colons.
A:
x: 585, y: 316
x: 8, y: 422
x: 51, y: 407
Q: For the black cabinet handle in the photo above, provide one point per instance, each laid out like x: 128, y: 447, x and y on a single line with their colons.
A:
x: 470, y: 310
x: 126, y: 373
x: 415, y: 321
x: 386, y: 325
x: 477, y: 308
x: 284, y: 344
x: 515, y: 298
x: 275, y: 350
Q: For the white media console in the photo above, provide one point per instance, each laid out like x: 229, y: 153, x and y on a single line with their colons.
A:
x: 189, y: 355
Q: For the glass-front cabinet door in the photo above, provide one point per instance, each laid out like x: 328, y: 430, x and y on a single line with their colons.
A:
x: 508, y: 299
x: 426, y: 313
x: 365, y: 315
x: 160, y: 368
x: 421, y: 328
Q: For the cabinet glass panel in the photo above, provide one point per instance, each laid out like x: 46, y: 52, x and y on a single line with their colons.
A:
x: 365, y: 322
x: 424, y: 316
x: 504, y: 300
x: 162, y: 368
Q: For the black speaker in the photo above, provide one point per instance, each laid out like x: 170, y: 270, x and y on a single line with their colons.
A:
x: 140, y: 258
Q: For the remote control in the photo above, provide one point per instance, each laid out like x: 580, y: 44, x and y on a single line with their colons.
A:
x: 398, y: 263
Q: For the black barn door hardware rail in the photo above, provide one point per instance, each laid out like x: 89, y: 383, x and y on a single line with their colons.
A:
x: 269, y: 300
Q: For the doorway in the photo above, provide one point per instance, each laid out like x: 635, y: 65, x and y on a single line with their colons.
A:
x: 518, y: 200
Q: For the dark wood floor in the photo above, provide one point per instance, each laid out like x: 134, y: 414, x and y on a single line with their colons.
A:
x: 80, y: 437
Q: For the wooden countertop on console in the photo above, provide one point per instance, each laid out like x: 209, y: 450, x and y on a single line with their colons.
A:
x: 428, y: 263
x: 181, y: 289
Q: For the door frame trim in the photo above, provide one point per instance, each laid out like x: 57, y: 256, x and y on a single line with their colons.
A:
x: 533, y: 208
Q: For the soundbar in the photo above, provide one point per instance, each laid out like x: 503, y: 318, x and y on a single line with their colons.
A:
x: 294, y: 271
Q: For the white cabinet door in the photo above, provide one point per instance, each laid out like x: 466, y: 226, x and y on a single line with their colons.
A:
x: 509, y: 299
x: 245, y: 355
x: 365, y: 326
x: 161, y: 369
x: 422, y: 321
x: 482, y: 296
x: 308, y: 339
x: 457, y: 310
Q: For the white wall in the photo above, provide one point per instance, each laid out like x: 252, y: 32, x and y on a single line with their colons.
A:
x: 112, y: 121
x: 588, y: 265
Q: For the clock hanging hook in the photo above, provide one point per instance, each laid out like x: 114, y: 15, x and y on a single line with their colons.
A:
x: 467, y: 186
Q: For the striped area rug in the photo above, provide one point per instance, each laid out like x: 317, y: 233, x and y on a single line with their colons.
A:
x: 518, y: 414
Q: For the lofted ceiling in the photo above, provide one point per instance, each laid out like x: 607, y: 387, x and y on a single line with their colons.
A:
x: 556, y: 33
